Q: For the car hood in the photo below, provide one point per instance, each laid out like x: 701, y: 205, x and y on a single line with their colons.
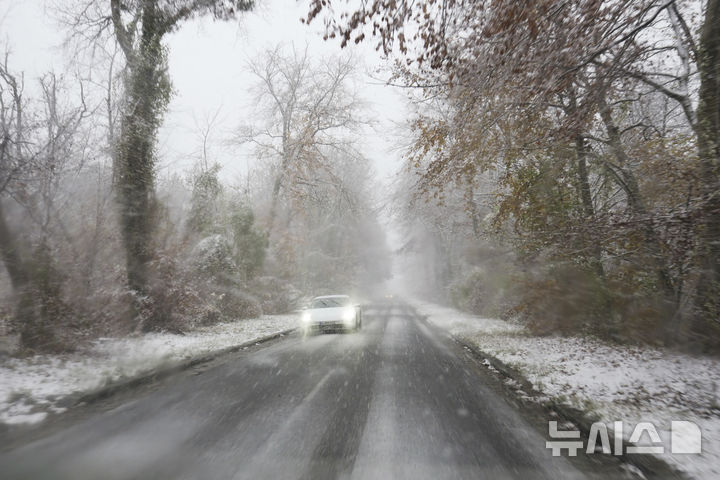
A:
x: 326, y: 314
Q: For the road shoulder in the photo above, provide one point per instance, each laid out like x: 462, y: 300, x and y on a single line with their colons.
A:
x: 472, y: 335
x: 80, y: 405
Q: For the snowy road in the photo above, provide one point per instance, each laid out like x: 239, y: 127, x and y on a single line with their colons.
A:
x: 397, y: 400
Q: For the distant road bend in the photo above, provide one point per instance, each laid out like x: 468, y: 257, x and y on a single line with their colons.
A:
x: 398, y: 400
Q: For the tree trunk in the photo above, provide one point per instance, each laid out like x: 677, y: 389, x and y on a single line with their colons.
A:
x: 708, y: 136
x: 628, y: 182
x: 290, y: 153
x: 583, y: 183
x: 583, y: 178
x: 40, y: 303
x: 36, y: 287
x: 135, y: 189
x: 277, y: 184
x: 10, y: 255
x: 587, y: 203
x: 147, y: 94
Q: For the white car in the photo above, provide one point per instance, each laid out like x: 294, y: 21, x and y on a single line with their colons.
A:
x: 331, y: 312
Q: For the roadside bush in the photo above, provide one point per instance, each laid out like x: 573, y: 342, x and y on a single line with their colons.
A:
x: 564, y: 299
x: 276, y: 295
x: 470, y: 293
x: 209, y: 315
x: 624, y: 306
x: 481, y: 293
x: 235, y: 304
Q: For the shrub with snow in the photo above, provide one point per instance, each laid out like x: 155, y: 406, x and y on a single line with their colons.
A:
x: 212, y: 257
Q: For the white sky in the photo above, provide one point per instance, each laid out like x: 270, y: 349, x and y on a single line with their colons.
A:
x: 208, y: 73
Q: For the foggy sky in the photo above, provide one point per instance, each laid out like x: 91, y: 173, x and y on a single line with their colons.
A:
x: 208, y: 74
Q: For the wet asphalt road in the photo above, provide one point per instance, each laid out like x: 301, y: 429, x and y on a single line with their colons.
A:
x: 396, y: 401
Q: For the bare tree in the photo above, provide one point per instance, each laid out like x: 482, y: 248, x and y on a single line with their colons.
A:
x: 204, y: 130
x: 306, y: 109
x: 45, y: 148
x: 12, y: 165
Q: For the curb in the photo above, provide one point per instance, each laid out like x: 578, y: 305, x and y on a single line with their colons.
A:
x: 161, y: 372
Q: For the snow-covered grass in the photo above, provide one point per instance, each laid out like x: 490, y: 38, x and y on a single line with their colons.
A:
x: 615, y: 382
x: 32, y: 387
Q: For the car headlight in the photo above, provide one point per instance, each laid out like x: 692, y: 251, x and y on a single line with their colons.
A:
x: 306, y: 317
x: 349, y: 315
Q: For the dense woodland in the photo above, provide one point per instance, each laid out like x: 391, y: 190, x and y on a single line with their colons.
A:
x: 95, y: 241
x: 564, y: 170
x: 565, y: 162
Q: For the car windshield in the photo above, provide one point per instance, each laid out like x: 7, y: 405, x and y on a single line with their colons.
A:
x: 330, y: 302
x: 491, y: 250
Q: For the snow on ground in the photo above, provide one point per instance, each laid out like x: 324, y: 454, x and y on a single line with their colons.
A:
x: 616, y: 382
x: 32, y: 387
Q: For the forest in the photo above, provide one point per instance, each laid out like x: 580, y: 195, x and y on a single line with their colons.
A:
x: 564, y: 164
x: 562, y: 168
x: 97, y: 242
